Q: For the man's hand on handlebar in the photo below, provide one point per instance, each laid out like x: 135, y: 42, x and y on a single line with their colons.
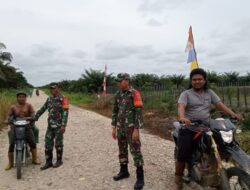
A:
x: 185, y: 121
x: 237, y: 116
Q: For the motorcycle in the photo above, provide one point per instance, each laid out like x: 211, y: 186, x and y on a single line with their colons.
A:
x: 21, y: 150
x: 37, y: 92
x: 217, y: 160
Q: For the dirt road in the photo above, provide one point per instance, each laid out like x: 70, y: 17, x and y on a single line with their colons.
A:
x: 90, y: 158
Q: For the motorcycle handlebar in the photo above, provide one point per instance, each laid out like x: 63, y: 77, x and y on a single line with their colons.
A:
x: 193, y: 123
x: 11, y: 121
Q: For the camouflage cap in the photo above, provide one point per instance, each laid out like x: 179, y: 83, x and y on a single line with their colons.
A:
x: 21, y: 93
x: 122, y: 76
x: 53, y: 85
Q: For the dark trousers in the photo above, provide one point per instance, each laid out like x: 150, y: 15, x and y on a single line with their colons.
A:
x: 185, y: 145
x: 29, y: 137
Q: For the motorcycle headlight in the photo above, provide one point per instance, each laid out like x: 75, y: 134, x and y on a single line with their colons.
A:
x: 227, y: 136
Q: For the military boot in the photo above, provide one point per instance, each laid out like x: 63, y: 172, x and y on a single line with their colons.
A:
x: 48, y: 164
x: 11, y: 161
x: 140, y: 178
x: 178, y: 180
x: 59, y: 161
x: 123, y: 173
x: 34, y: 157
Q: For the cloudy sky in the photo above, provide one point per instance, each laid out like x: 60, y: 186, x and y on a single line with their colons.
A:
x: 53, y: 40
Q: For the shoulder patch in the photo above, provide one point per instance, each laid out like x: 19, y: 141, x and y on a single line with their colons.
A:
x: 137, y: 99
x: 65, y: 102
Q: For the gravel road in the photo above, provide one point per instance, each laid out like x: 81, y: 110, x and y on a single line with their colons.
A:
x: 90, y: 158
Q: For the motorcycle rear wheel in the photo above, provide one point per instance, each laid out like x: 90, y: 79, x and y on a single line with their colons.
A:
x: 243, y: 178
x: 19, y: 156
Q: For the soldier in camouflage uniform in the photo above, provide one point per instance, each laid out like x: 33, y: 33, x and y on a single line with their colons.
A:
x: 57, y: 106
x: 127, y: 119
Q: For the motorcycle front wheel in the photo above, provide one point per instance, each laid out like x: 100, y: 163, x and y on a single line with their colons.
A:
x: 238, y: 179
x: 19, y: 156
x: 224, y: 182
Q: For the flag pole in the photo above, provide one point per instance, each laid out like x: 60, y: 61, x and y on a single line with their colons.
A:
x: 104, y: 84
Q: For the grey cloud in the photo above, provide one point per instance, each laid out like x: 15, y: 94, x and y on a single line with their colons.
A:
x: 154, y: 22
x: 39, y: 50
x: 40, y: 71
x: 217, y: 54
x: 231, y: 45
x: 240, y: 66
x: 79, y: 54
x: 113, y: 51
x: 157, y: 6
x: 160, y: 6
x: 236, y: 60
x: 174, y: 60
x: 240, y: 36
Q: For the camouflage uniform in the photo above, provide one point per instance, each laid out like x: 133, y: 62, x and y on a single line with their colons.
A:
x: 57, y: 118
x: 125, y: 118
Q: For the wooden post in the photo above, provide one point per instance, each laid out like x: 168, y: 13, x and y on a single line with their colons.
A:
x: 245, y: 96
x: 222, y: 92
x: 238, y: 96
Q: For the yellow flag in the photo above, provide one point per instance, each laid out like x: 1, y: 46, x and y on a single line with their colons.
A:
x: 194, y: 65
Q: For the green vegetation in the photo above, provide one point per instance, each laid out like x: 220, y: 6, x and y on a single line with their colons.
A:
x: 246, y: 123
x: 161, y: 92
x: 244, y: 140
x: 80, y: 98
x: 7, y: 97
x: 10, y: 77
x: 162, y: 100
x: 76, y: 98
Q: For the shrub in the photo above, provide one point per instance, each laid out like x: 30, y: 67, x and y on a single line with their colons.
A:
x: 6, y: 99
x: 246, y: 122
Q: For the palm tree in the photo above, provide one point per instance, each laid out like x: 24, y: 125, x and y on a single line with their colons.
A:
x: 4, y: 57
x: 93, y: 80
x: 231, y: 76
x: 213, y: 77
x: 177, y: 79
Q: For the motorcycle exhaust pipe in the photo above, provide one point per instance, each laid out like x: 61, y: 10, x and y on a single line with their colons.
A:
x: 14, y: 161
x: 24, y: 154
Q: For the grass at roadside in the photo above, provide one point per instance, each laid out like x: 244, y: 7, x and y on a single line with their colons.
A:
x: 80, y: 99
x: 7, y: 97
x: 77, y: 98
x: 244, y: 140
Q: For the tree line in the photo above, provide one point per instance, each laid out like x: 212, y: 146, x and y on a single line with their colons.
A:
x: 91, y: 80
x: 10, y: 77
